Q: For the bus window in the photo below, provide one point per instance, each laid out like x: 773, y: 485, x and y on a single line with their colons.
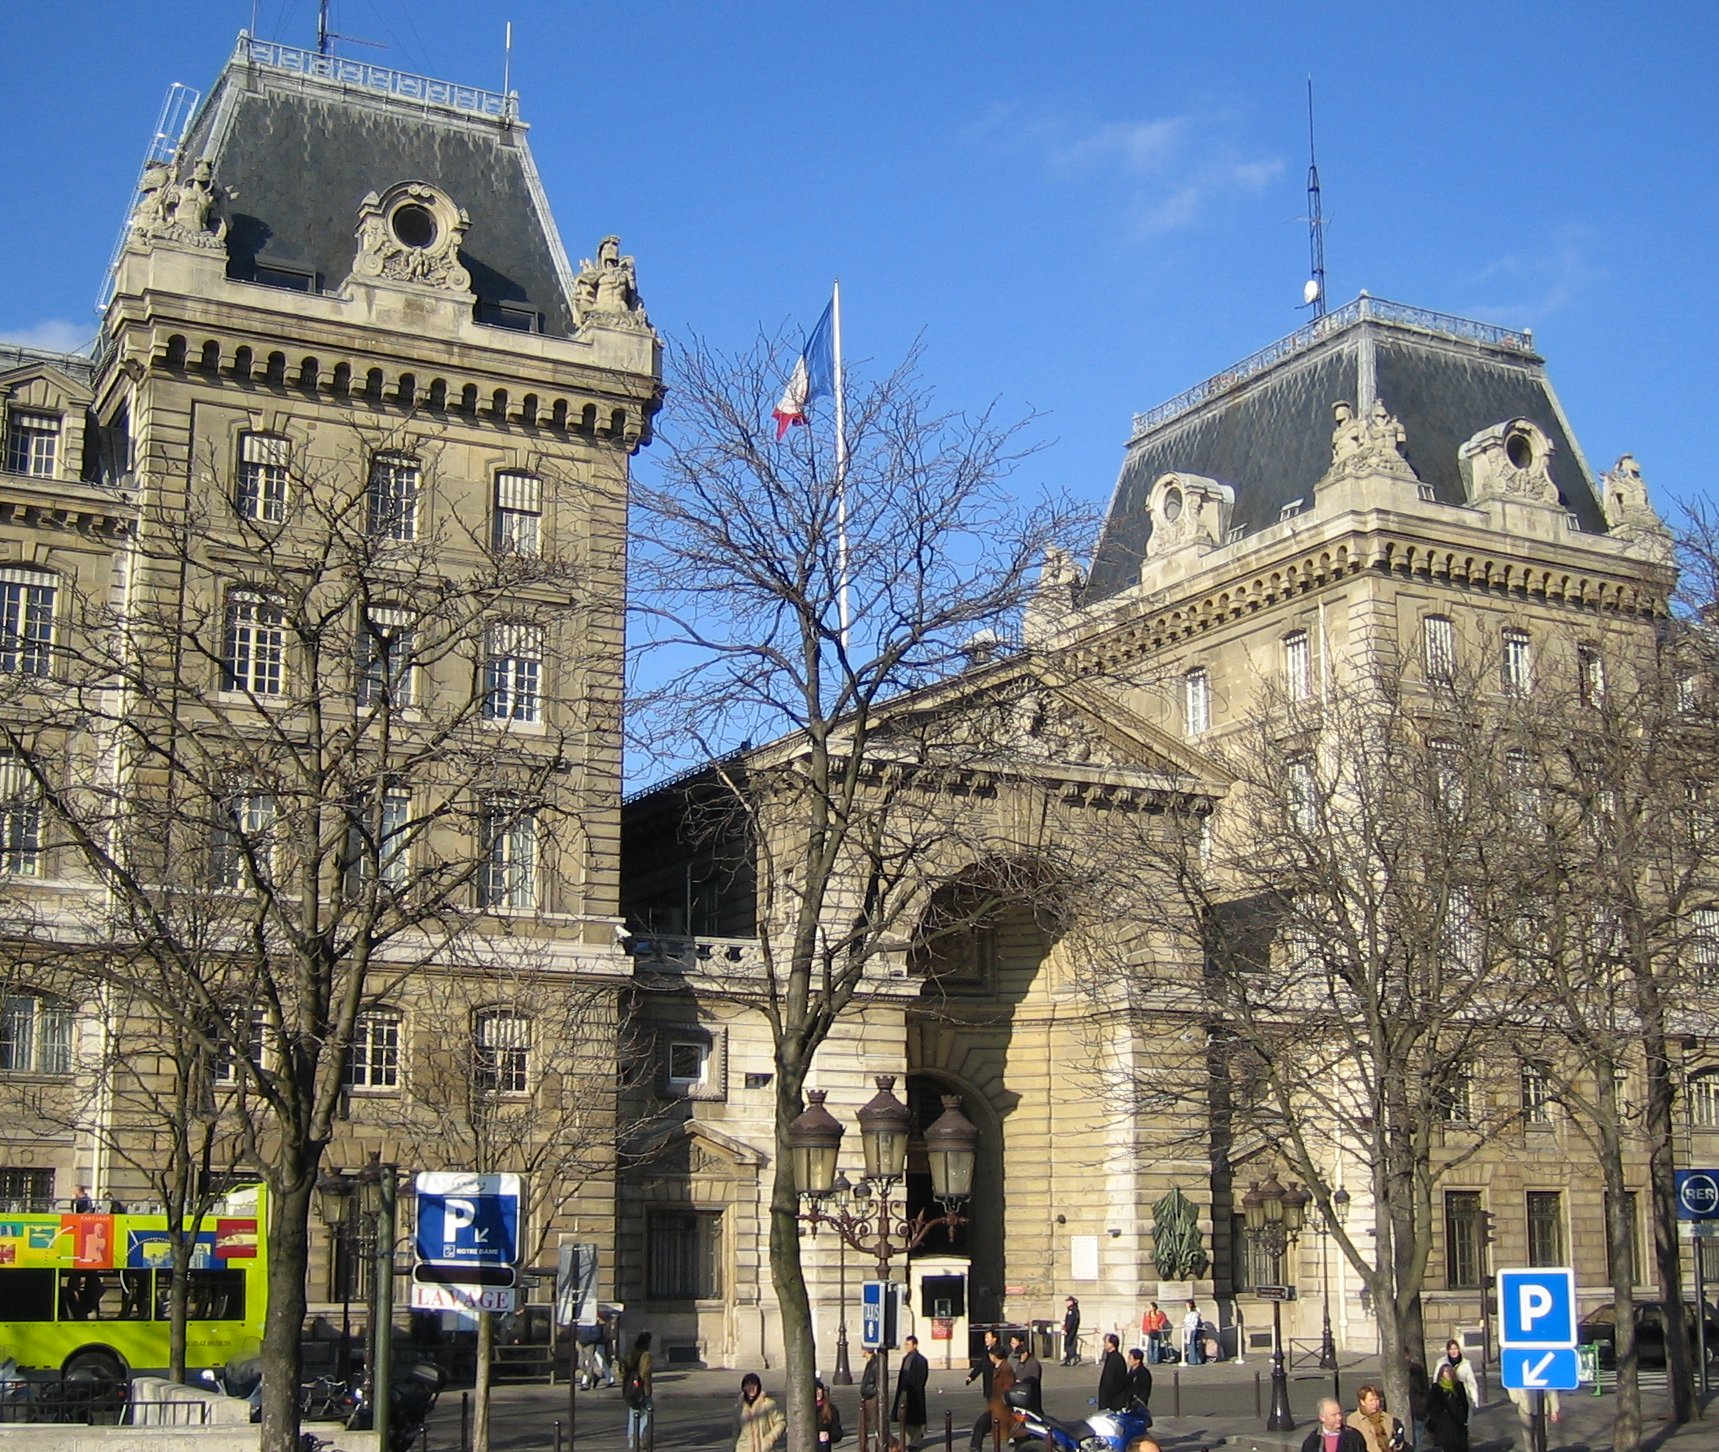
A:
x: 213, y: 1295
x: 30, y: 1295
x: 89, y: 1295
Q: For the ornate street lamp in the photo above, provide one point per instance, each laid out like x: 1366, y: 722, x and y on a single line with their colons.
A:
x: 1327, y: 1343
x: 866, y: 1219
x: 377, y: 1186
x: 333, y: 1202
x: 842, y: 1198
x: 1274, y: 1217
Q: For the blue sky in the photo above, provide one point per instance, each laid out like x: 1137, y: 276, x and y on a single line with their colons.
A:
x: 1082, y: 208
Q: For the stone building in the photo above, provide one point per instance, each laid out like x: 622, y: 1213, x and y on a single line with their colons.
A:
x: 1384, y: 485
x: 337, y: 507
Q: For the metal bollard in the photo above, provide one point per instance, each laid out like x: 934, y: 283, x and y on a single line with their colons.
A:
x: 1176, y: 1392
x: 424, y: 1437
x: 465, y: 1422
x: 558, y: 1434
x: 948, y: 1431
x: 1257, y: 1405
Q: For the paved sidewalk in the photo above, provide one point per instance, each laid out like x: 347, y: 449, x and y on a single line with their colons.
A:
x: 1216, y: 1408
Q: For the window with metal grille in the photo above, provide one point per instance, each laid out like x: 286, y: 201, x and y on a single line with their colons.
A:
x: 683, y: 1255
x: 26, y: 1192
x: 260, y: 487
x: 1453, y: 1096
x: 32, y: 443
x: 1197, y: 701
x: 27, y: 621
x: 518, y: 513
x: 1461, y: 936
x: 35, y: 1034
x: 501, y: 1049
x: 1438, y: 648
x: 1703, y: 1092
x: 20, y: 820
x: 243, y: 842
x: 1297, y: 666
x: 1462, y: 1240
x: 508, y: 878
x: 1517, y: 663
x: 1590, y: 675
x: 1301, y: 794
x: 253, y: 657
x: 381, y: 846
x: 513, y: 671
x: 1250, y: 1263
x: 1704, y: 944
x: 391, y: 497
x: 1546, y: 1228
x: 373, y: 1061
x: 386, y: 647
x: 224, y: 1067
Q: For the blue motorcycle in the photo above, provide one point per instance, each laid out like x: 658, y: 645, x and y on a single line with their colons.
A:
x: 1124, y: 1431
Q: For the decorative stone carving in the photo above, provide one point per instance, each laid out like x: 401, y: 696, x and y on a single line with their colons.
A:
x: 1049, y: 731
x: 1370, y: 445
x: 1510, y: 461
x: 1188, y: 510
x: 1055, y: 597
x: 184, y: 209
x: 607, y: 290
x: 1176, y: 1245
x: 412, y: 233
x: 1630, y: 515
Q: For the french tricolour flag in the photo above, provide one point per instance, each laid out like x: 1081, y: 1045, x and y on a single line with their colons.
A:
x: 813, y: 377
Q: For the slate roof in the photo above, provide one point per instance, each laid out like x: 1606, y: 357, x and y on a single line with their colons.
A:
x: 298, y: 140
x: 1264, y: 426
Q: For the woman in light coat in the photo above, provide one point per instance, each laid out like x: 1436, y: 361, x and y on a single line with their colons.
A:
x: 758, y: 1421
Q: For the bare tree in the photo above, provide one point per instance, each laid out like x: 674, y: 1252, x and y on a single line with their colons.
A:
x: 307, y: 752
x: 795, y: 604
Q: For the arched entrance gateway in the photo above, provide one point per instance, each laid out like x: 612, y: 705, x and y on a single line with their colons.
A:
x: 984, y: 1029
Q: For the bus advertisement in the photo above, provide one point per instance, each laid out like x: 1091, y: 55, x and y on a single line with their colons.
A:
x: 90, y: 1292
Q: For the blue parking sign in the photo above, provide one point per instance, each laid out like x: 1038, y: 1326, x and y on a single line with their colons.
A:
x: 1537, y: 1307
x: 466, y: 1219
x: 1523, y: 1368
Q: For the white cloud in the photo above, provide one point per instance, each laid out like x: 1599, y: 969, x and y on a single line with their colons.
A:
x: 1165, y: 172
x: 57, y: 335
x: 1522, y: 287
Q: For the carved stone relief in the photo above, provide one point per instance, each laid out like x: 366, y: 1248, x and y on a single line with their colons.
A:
x: 1370, y: 445
x: 1630, y: 514
x: 412, y: 233
x: 181, y: 207
x: 1510, y: 461
x: 1187, y: 510
x: 607, y: 291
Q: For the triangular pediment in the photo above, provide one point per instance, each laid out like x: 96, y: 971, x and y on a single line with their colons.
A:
x: 702, y: 1147
x: 41, y: 384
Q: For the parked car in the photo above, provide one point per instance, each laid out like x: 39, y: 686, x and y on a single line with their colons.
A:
x: 1600, y: 1327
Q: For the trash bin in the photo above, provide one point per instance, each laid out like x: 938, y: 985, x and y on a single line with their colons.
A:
x: 1044, y: 1340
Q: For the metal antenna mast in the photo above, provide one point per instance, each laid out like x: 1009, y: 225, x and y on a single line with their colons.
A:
x: 1314, y: 293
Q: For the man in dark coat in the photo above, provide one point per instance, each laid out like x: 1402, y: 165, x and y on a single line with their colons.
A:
x: 981, y: 1369
x: 997, y: 1410
x: 1029, y: 1371
x: 1112, y: 1377
x: 1139, y: 1378
x: 1070, y: 1331
x: 1331, y: 1435
x: 909, y: 1411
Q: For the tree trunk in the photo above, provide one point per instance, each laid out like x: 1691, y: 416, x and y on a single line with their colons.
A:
x: 480, y: 1391
x: 289, y: 1256
x: 1667, y: 1251
x: 178, y: 1298
x: 1620, y: 1238
x: 787, y: 1276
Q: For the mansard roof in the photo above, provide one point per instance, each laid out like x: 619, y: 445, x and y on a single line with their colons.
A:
x: 298, y: 140
x: 1263, y: 428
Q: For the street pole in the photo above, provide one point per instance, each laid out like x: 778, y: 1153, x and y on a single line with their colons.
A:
x: 843, y: 1374
x: 1279, y: 1418
x: 382, y: 1314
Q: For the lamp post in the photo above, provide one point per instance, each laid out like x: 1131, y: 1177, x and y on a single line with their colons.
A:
x: 1327, y: 1344
x: 868, y: 1222
x: 334, y: 1199
x: 377, y: 1184
x: 842, y: 1197
x: 1273, y: 1218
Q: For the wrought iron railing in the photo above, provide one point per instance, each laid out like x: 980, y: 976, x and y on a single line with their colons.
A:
x: 1303, y: 338
x: 473, y: 100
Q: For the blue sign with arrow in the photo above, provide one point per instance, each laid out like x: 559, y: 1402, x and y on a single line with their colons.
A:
x: 1526, y: 1369
x: 468, y: 1219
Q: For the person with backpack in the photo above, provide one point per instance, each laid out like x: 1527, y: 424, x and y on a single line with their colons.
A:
x: 636, y: 1392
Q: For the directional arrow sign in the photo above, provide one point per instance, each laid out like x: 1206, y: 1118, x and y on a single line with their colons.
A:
x: 1523, y: 1369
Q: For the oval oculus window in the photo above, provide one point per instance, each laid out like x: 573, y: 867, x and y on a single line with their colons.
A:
x: 1172, y: 505
x: 414, y: 225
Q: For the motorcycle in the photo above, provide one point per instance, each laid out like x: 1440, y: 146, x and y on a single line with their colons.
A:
x: 411, y: 1399
x: 1124, y: 1431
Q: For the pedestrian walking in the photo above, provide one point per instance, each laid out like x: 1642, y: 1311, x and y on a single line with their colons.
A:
x: 1193, y: 1336
x: 636, y: 1392
x: 1378, y: 1428
x: 1447, y: 1411
x: 758, y: 1421
x: 1029, y: 1373
x: 1464, y: 1371
x: 1139, y: 1380
x: 825, y: 1417
x: 1112, y: 1376
x: 981, y: 1369
x: 908, y: 1412
x: 1070, y: 1331
x: 997, y: 1413
x: 868, y: 1391
x: 1332, y: 1435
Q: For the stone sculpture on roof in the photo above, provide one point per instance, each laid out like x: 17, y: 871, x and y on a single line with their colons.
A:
x: 412, y: 233
x: 184, y: 209
x: 607, y: 290
x: 1370, y: 445
x: 1630, y: 515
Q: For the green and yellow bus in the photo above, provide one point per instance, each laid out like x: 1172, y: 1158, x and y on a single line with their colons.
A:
x: 89, y: 1292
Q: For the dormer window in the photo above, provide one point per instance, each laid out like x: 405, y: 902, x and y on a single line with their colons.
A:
x: 32, y: 444
x: 414, y: 225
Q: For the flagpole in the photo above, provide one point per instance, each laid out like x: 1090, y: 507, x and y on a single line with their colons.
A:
x: 841, y: 460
